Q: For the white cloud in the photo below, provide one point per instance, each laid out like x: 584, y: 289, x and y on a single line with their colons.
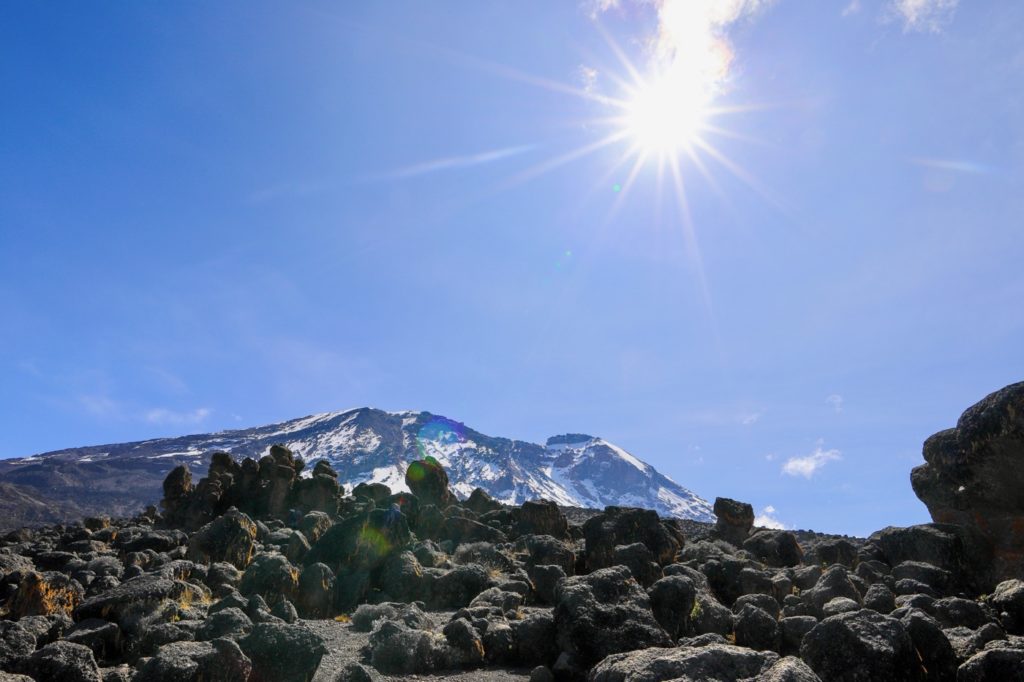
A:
x: 162, y: 415
x: 770, y: 457
x: 926, y: 16
x: 691, y: 46
x: 766, y: 519
x: 852, y: 8
x: 836, y: 401
x: 809, y: 465
x: 748, y: 419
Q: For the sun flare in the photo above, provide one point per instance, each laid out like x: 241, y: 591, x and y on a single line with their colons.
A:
x: 663, y: 117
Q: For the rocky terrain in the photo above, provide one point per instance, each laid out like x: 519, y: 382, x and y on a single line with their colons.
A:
x: 269, y: 570
x: 363, y: 446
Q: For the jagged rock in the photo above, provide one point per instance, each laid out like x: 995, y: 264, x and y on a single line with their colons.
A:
x: 481, y: 502
x: 777, y: 548
x: 62, y: 661
x: 959, y: 550
x: 994, y: 665
x: 880, y: 598
x: 457, y: 587
x: 952, y: 611
x: 103, y: 638
x: 315, y: 596
x: 266, y: 642
x: 41, y: 594
x: 318, y: 493
x: 230, y: 622
x: 863, y: 645
x: 221, y: 660
x: 535, y: 637
x: 788, y: 669
x: 792, y: 630
x: 16, y: 642
x: 640, y: 562
x: 398, y: 650
x: 756, y: 629
x: 933, y: 647
x: 1008, y: 598
x: 733, y: 520
x: 428, y: 481
x: 765, y: 602
x: 376, y: 492
x: 138, y: 601
x: 972, y: 476
x: 835, y: 582
x: 314, y: 525
x: 626, y: 525
x: 672, y: 599
x: 271, y: 576
x: 547, y: 550
x: 230, y: 538
x: 362, y: 542
x: 540, y: 517
x: 685, y: 664
x: 603, y: 613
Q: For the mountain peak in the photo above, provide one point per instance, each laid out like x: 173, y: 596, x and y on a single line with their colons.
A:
x: 371, y: 445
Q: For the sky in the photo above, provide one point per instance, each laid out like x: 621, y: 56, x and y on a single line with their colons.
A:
x: 220, y: 215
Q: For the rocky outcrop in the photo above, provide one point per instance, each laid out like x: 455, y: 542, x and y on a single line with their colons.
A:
x: 258, y: 572
x: 973, y: 476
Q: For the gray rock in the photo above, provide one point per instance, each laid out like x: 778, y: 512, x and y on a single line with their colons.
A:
x: 266, y: 642
x: 711, y: 663
x: 603, y: 613
x: 994, y: 665
x: 863, y: 645
x: 62, y: 661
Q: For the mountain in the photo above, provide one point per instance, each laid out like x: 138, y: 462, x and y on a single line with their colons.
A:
x: 362, y: 444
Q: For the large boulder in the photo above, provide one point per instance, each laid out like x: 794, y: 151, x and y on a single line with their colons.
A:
x: 973, y: 475
x: 46, y: 593
x: 733, y: 520
x: 283, y: 653
x: 230, y: 537
x: 540, y: 517
x: 711, y: 663
x: 428, y: 481
x: 61, y: 661
x: 961, y: 551
x: 603, y: 613
x: 617, y: 526
x: 220, y: 660
x: 140, y: 601
x: 862, y: 645
x: 362, y: 542
x: 778, y: 548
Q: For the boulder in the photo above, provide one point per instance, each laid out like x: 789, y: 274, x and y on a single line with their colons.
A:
x: 778, y: 548
x: 481, y: 502
x: 282, y: 652
x: 733, y: 520
x: 428, y: 481
x: 362, y: 542
x: 140, y: 601
x: 42, y: 594
x: 672, y: 599
x: 540, y: 517
x: 994, y: 665
x: 756, y: 629
x: 973, y: 475
x: 230, y: 538
x: 62, y: 661
x: 271, y: 576
x: 863, y: 645
x: 16, y: 642
x: 936, y: 653
x: 623, y: 526
x: 221, y: 660
x: 603, y: 613
x: 1008, y: 599
x: 714, y: 662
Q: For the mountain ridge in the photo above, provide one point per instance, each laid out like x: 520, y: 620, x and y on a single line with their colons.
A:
x: 363, y: 445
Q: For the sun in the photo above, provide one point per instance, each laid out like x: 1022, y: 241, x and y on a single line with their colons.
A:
x: 663, y: 117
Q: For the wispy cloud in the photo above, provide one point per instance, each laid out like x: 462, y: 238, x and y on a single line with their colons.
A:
x: 854, y: 7
x: 954, y: 165
x: 810, y: 465
x: 767, y: 519
x: 836, y: 401
x: 748, y: 419
x: 163, y: 415
x: 925, y: 16
x: 453, y: 162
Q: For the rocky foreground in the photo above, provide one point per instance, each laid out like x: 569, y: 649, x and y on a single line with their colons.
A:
x: 257, y: 573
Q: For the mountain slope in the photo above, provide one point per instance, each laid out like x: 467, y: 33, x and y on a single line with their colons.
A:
x: 362, y: 445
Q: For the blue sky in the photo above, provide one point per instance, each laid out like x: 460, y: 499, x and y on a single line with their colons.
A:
x: 215, y: 215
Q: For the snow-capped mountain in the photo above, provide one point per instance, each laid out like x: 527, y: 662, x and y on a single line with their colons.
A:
x: 365, y: 444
